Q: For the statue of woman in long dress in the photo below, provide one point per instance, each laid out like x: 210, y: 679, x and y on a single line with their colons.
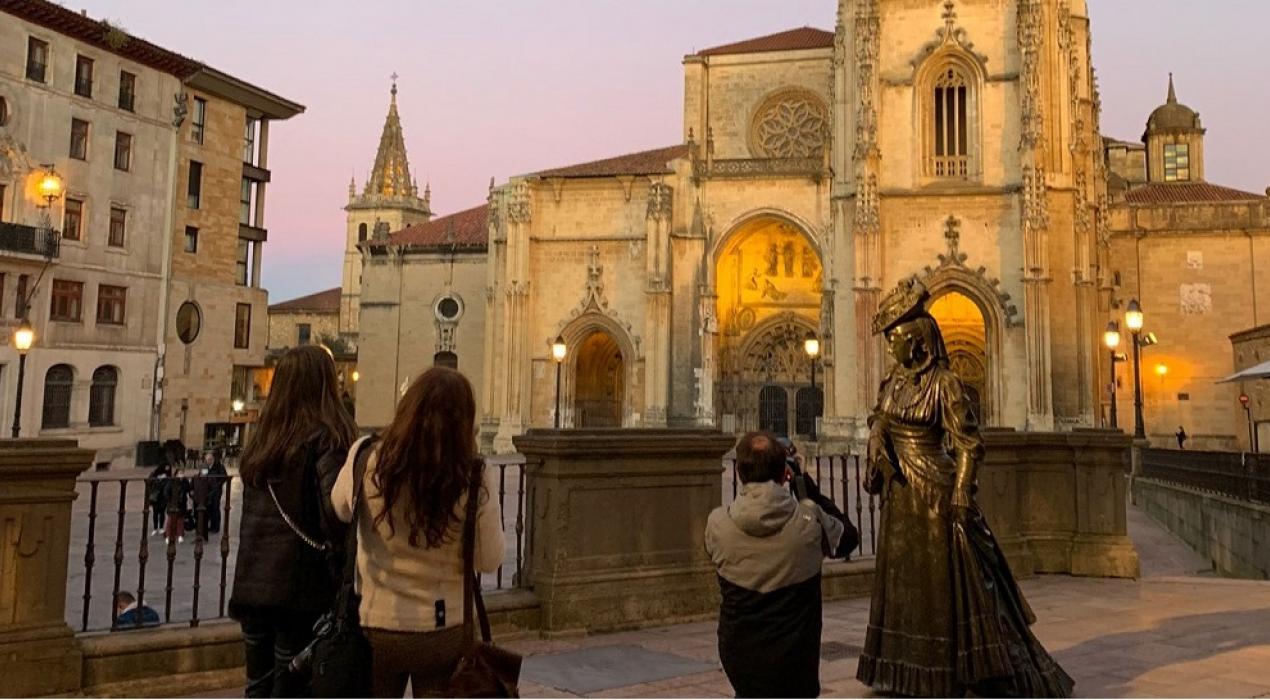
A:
x: 947, y: 616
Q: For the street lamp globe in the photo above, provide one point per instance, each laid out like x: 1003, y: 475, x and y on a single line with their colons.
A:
x: 558, y: 349
x: 237, y: 405
x: 1111, y: 337
x: 1133, y: 316
x: 50, y: 186
x: 24, y: 336
x: 812, y: 346
x: 1161, y: 369
x: 356, y: 376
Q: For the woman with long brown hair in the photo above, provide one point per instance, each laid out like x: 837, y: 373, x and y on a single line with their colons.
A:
x: 287, y: 575
x: 415, y: 489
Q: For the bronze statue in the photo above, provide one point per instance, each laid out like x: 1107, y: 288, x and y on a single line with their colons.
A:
x: 947, y: 616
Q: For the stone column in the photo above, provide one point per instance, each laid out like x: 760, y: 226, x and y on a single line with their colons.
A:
x: 38, y: 652
x: 616, y: 525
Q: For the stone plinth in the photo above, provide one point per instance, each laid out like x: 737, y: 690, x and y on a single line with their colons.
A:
x: 1056, y: 501
x: 38, y: 653
x: 617, y: 521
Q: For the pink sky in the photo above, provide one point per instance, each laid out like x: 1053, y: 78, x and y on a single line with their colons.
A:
x: 501, y: 88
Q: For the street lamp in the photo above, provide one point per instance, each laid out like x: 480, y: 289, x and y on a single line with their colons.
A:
x: 811, y: 344
x: 1243, y: 399
x: 23, y: 337
x: 1111, y: 338
x: 237, y: 405
x: 50, y: 186
x: 558, y: 349
x: 1133, y: 321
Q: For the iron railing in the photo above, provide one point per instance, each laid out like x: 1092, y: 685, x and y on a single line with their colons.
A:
x: 29, y: 240
x: 113, y: 510
x: 841, y: 478
x: 1244, y: 476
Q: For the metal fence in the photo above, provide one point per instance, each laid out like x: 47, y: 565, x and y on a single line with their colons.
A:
x: 1245, y: 476
x: 191, y: 581
x: 841, y: 478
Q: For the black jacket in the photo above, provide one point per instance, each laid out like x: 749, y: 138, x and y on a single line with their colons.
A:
x: 275, y: 567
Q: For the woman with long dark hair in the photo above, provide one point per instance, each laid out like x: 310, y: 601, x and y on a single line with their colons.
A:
x: 284, y: 581
x: 415, y: 489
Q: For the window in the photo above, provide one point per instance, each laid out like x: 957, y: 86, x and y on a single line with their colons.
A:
x: 242, y: 326
x: 199, y: 123
x: 111, y: 302
x: 2, y: 279
x: 446, y: 358
x: 304, y: 332
x: 101, y: 397
x: 191, y: 239
x: 189, y: 321
x: 361, y: 232
x: 118, y: 225
x: 73, y: 219
x: 19, y: 304
x: 244, y: 201
x: 127, y: 90
x: 2, y: 192
x: 243, y: 273
x: 79, y: 139
x: 194, y: 194
x: 67, y: 301
x: 249, y: 141
x: 58, y: 382
x: 1177, y: 162
x: 448, y: 309
x: 950, y: 126
x: 37, y: 59
x: 123, y: 150
x: 83, y: 76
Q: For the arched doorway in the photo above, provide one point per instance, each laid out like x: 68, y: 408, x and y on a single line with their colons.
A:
x: 599, y: 379
x: 768, y: 282
x: 965, y: 336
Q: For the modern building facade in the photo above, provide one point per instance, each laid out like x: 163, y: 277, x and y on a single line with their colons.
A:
x: 109, y: 114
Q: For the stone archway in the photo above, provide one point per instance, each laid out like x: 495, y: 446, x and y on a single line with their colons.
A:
x: 965, y: 332
x: 768, y: 277
x: 598, y: 382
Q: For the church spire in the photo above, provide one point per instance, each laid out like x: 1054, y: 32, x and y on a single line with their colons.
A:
x: 1172, y: 93
x: 390, y: 176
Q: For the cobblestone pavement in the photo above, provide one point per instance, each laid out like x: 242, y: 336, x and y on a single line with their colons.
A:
x: 1177, y: 632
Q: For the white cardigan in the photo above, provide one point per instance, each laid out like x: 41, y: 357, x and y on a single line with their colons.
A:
x: 400, y: 585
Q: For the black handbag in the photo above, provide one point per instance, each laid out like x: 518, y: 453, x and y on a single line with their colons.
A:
x: 484, y: 671
x: 338, y: 659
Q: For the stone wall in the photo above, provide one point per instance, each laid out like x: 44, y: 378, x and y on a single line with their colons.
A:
x: 1252, y: 347
x: 1233, y: 534
x: 284, y: 327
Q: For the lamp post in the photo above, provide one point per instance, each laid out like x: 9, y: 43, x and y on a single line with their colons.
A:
x: 558, y: 349
x: 811, y: 344
x: 1243, y: 399
x: 1133, y: 321
x: 22, y: 339
x: 1112, y: 339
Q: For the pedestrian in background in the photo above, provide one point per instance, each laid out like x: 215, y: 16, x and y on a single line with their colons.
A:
x: 290, y: 541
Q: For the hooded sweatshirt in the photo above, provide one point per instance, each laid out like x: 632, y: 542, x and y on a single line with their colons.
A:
x: 768, y: 548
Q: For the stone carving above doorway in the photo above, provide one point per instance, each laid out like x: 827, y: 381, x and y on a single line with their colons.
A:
x: 792, y: 123
x: 953, y: 264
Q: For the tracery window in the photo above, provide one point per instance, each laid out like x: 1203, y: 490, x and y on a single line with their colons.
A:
x: 950, y: 130
x: 1177, y: 162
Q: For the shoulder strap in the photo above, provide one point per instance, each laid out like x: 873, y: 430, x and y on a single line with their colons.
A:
x: 350, y: 539
x: 471, y: 583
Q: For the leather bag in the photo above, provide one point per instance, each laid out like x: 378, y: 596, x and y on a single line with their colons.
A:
x: 338, y: 659
x: 484, y: 671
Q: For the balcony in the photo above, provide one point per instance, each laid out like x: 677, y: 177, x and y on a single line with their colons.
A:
x: 29, y: 240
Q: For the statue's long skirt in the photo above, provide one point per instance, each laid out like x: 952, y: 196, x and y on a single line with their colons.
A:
x: 947, y: 616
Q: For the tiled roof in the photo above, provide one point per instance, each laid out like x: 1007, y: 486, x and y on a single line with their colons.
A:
x: 654, y: 162
x: 792, y: 40
x: 90, y: 31
x: 464, y: 229
x: 1186, y: 192
x: 325, y: 301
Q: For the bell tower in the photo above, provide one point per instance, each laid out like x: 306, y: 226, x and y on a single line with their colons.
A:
x: 389, y: 202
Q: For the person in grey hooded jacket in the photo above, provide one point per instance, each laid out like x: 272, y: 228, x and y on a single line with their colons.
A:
x: 768, y: 548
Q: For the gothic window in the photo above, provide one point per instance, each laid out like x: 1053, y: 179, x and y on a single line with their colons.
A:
x: 361, y: 233
x: 1177, y: 162
x: 58, y: 382
x: 950, y: 131
x: 101, y: 397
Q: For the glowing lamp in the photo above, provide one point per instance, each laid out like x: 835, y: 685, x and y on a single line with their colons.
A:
x: 1161, y: 369
x: 50, y: 186
x: 1133, y: 316
x: 24, y: 336
x: 237, y: 405
x: 558, y: 349
x: 812, y: 346
x: 356, y: 375
x: 1111, y: 337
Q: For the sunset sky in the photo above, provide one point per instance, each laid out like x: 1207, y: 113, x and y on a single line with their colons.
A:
x: 494, y: 89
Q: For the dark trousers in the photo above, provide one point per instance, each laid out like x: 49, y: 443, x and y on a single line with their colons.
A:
x: 426, y: 659
x: 157, y: 516
x: 272, y: 638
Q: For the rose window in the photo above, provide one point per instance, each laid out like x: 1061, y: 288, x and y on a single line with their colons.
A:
x: 790, y: 124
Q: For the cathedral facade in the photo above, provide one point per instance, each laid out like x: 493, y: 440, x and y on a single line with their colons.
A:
x: 954, y: 141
